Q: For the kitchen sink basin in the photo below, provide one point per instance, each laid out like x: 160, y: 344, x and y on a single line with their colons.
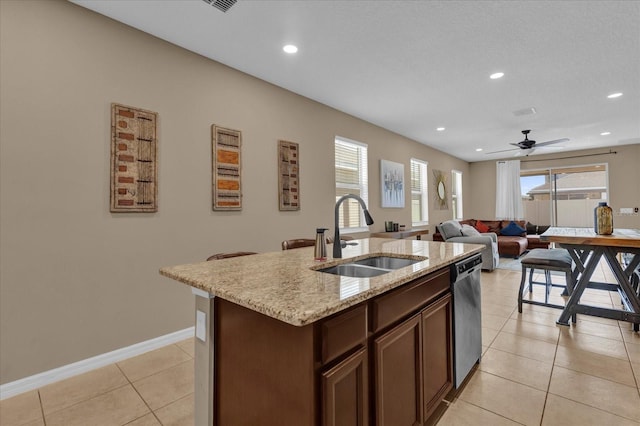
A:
x: 386, y: 262
x: 369, y: 267
x: 355, y: 270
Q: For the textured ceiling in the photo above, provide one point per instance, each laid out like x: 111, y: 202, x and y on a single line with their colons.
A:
x: 412, y: 66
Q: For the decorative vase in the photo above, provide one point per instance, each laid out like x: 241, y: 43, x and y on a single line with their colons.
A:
x: 603, y: 219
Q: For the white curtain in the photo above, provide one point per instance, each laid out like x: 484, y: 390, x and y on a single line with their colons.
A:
x: 508, y: 196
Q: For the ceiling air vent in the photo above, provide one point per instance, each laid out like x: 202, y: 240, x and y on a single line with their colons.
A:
x: 525, y: 111
x: 222, y: 5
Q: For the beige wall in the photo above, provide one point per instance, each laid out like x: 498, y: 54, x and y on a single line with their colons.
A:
x: 624, y: 179
x: 77, y: 281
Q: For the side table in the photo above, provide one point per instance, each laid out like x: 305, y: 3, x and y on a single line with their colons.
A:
x: 407, y: 233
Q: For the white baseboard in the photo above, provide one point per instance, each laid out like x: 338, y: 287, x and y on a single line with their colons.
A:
x: 47, y: 377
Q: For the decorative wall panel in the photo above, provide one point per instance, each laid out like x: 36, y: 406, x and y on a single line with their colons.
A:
x: 288, y: 175
x: 134, y: 160
x: 227, y: 167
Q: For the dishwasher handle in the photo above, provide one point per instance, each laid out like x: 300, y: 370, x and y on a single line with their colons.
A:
x: 466, y: 267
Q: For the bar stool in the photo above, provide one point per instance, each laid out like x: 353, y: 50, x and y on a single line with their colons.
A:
x: 546, y: 260
x: 307, y: 242
x: 218, y: 256
x: 297, y: 243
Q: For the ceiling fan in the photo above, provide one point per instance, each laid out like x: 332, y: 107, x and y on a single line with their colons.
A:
x: 528, y: 146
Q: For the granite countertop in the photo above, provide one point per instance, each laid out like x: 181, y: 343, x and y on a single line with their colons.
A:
x: 285, y: 286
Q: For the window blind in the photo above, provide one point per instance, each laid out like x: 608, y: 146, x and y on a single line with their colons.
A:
x: 419, y: 198
x: 351, y: 178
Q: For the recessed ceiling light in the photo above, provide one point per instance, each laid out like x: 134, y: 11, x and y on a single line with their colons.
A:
x: 440, y: 129
x: 478, y: 149
x: 614, y: 95
x: 605, y: 133
x: 290, y: 48
x: 496, y: 75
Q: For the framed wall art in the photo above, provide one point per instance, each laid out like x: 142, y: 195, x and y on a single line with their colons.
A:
x: 288, y: 175
x: 392, y: 184
x: 226, y: 145
x: 134, y: 160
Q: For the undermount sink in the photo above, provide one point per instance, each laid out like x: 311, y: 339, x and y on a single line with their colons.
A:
x: 386, y: 262
x: 354, y: 270
x: 369, y: 267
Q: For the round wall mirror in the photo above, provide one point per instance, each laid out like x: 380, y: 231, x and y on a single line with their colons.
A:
x: 441, y: 192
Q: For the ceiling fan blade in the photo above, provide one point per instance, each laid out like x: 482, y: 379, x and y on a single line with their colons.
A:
x: 516, y: 144
x: 503, y: 150
x: 552, y: 142
x: 550, y: 147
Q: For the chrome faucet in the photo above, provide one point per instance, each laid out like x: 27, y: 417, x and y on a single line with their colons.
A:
x: 337, y: 244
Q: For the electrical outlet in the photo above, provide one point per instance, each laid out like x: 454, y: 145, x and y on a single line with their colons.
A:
x: 626, y: 210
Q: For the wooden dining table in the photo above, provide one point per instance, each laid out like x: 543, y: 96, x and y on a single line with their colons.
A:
x: 587, y: 249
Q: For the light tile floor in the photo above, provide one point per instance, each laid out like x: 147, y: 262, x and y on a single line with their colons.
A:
x: 533, y: 372
x: 155, y: 388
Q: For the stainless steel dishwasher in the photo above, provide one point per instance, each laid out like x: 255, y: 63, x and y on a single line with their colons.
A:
x: 467, y: 316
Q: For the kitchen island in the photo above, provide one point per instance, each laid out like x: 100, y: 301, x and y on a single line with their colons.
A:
x: 279, y: 343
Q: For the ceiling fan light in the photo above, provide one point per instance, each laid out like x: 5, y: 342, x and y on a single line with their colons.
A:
x: 496, y: 75
x: 605, y: 133
x: 478, y: 149
x: 440, y: 129
x: 614, y: 95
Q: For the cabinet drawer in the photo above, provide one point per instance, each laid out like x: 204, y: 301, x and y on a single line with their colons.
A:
x: 409, y: 298
x: 343, y: 332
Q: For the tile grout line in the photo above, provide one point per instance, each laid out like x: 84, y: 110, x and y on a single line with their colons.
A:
x: 179, y: 347
x: 492, y: 412
x: 82, y: 401
x: 140, y: 396
x: 633, y: 371
x: 44, y: 421
x: 553, y: 365
x: 587, y: 374
x: 478, y: 370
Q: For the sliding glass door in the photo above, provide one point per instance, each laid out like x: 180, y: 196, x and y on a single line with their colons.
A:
x: 564, y: 196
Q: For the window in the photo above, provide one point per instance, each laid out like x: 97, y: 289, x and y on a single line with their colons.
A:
x: 351, y: 178
x: 419, y: 198
x: 564, y: 196
x: 456, y: 194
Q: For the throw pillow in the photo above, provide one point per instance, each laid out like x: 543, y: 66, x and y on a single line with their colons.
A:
x: 531, y: 228
x: 469, y: 231
x: 512, y: 230
x: 450, y: 228
x: 481, y: 227
x: 542, y: 229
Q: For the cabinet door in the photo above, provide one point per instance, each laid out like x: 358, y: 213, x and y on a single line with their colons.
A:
x: 345, y: 392
x: 437, y: 352
x: 398, y: 375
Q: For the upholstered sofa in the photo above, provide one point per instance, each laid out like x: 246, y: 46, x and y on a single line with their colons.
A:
x: 508, y: 245
x: 452, y: 232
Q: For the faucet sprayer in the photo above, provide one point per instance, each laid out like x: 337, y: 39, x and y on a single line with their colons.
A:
x: 337, y: 246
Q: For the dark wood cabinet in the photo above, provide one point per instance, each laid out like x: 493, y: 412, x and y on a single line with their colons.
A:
x: 345, y: 392
x: 398, y: 372
x: 437, y: 353
x: 386, y: 361
x: 413, y: 366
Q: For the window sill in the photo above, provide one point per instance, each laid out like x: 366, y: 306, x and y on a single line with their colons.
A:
x: 419, y: 224
x: 344, y: 231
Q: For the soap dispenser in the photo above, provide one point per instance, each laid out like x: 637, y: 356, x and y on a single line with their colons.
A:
x: 320, y: 252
